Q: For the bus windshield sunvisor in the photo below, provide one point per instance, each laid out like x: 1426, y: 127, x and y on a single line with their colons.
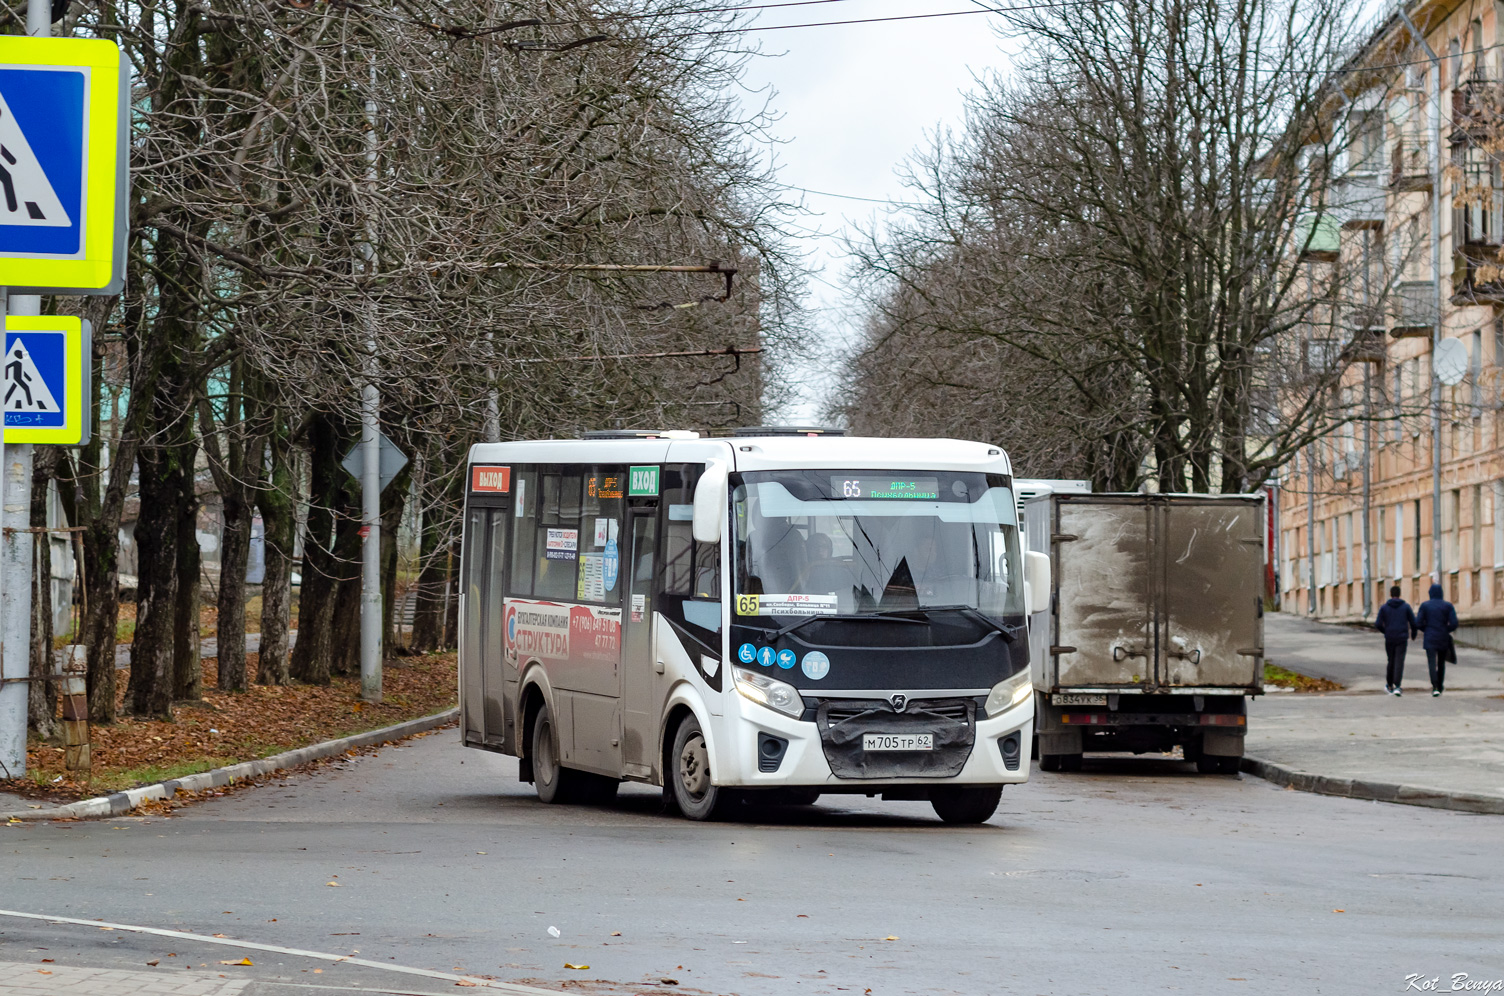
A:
x: 823, y: 543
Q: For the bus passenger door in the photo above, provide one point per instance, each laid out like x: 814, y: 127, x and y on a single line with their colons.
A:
x: 639, y: 661
x: 498, y: 675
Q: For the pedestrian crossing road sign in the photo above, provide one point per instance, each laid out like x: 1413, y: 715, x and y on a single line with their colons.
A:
x: 45, y: 380
x: 63, y: 168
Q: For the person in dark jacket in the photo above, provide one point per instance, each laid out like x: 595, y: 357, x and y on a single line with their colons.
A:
x: 1397, y: 622
x: 1437, y: 619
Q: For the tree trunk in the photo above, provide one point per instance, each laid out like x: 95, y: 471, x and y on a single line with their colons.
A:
x: 234, y: 553
x: 278, y: 518
x: 452, y: 596
x: 42, y: 702
x: 187, y: 664
x: 433, y: 564
x: 150, y: 689
x: 310, y: 655
x: 393, y: 501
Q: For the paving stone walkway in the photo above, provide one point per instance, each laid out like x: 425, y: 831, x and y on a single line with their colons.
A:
x: 21, y: 979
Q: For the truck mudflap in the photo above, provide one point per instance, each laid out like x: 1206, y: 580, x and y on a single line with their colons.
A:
x: 843, y: 723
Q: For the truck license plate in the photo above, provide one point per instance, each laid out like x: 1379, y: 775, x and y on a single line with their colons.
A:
x: 1078, y: 699
x: 898, y: 741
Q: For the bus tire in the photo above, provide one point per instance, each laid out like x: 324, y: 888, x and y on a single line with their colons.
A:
x: 689, y: 774
x: 966, y: 805
x: 554, y: 782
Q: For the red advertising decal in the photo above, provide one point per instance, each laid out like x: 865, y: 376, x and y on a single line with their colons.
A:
x: 594, y: 634
x: 497, y: 479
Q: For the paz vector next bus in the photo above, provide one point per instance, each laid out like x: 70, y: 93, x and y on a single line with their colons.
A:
x: 772, y: 613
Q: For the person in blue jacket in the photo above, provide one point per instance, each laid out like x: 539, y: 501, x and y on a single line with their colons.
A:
x: 1397, y: 622
x: 1437, y: 619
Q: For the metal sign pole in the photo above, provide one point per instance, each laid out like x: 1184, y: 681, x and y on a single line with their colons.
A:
x: 14, y: 696
x: 370, y: 446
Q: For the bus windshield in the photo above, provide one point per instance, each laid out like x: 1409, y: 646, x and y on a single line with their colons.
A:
x: 825, y: 542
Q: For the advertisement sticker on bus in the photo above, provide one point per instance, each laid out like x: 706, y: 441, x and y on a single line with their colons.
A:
x: 538, y: 629
x: 496, y: 480
x: 562, y: 544
x: 594, y: 633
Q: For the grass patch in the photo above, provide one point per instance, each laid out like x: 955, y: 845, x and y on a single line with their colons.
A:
x: 227, y: 726
x: 1285, y: 678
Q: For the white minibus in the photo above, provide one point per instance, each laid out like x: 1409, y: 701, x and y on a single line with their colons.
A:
x: 773, y: 614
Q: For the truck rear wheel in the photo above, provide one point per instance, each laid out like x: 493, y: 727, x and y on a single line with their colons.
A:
x: 966, y: 805
x: 1060, y: 762
x: 1218, y: 764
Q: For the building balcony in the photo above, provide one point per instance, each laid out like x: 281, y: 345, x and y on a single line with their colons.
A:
x: 1477, y: 111
x: 1410, y: 167
x: 1478, y: 274
x: 1318, y: 238
x: 1358, y: 200
x: 1366, y: 346
x: 1412, y: 305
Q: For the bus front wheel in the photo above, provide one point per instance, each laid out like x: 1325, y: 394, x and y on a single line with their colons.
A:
x: 966, y: 805
x: 554, y: 782
x: 689, y: 774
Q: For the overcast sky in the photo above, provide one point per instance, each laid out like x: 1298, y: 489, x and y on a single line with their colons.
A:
x: 856, y: 100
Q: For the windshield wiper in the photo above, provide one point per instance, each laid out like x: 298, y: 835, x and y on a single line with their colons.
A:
x: 881, y: 616
x: 1008, y: 634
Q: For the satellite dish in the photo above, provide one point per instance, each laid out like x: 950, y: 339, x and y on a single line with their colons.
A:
x: 1450, y: 361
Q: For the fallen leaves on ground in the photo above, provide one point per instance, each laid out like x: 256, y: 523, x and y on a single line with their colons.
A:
x: 243, y: 961
x: 226, y: 727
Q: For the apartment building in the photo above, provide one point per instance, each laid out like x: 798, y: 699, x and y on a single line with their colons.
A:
x: 1420, y: 140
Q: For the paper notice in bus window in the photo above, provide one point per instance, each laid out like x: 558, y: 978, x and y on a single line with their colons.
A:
x: 591, y: 586
x: 791, y: 605
x: 562, y: 544
x: 521, y: 495
x: 639, y: 607
x: 602, y: 531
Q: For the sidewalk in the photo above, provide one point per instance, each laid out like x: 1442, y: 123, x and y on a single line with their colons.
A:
x: 17, y: 979
x: 1435, y: 746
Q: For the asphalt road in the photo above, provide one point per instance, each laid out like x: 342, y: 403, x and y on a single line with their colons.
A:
x: 1136, y: 876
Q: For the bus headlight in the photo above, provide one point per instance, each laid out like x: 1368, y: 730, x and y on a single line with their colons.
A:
x: 1007, y: 694
x: 767, y: 691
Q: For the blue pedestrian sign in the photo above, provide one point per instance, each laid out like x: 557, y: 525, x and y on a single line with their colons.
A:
x: 42, y: 380
x: 63, y: 171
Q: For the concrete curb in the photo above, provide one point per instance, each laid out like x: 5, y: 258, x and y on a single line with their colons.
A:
x: 120, y: 803
x: 1358, y: 788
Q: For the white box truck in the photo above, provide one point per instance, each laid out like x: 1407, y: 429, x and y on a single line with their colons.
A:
x: 1154, y: 635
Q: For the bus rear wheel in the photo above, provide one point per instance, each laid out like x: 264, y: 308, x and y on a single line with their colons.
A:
x: 689, y: 774
x: 966, y: 805
x: 554, y: 782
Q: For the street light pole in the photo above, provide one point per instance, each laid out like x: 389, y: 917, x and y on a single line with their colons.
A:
x: 1434, y: 142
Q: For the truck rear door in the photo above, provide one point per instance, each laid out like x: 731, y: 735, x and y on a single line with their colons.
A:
x: 1103, y: 564
x: 1212, y: 583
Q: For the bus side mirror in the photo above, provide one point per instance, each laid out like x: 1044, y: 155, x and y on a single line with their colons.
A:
x: 1037, y: 576
x: 711, y: 497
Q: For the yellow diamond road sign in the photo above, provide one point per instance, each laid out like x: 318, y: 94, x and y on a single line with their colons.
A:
x: 63, y: 165
x: 44, y: 380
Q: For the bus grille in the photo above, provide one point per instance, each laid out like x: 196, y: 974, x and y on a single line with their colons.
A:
x: 842, y: 722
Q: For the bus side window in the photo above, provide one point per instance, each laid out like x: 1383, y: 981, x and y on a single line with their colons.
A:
x: 558, y: 537
x: 691, y: 571
x: 524, y: 532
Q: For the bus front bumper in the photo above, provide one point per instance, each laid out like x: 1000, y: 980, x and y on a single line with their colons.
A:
x: 999, y: 754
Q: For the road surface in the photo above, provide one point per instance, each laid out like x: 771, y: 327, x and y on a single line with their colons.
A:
x: 1136, y: 876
